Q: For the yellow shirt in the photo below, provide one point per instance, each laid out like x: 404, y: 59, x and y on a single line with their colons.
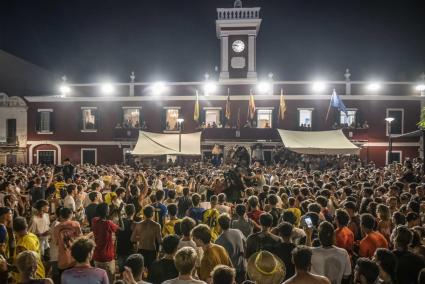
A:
x: 58, y: 186
x: 213, y: 256
x: 210, y: 218
x: 30, y: 242
x: 297, y: 213
x: 168, y: 228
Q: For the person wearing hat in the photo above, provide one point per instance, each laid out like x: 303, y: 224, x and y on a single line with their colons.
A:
x: 266, y: 268
x: 301, y: 257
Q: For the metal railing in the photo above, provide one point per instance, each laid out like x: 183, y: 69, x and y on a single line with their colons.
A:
x: 238, y: 13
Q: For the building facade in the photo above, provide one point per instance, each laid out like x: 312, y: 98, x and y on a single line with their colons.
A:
x: 89, y: 126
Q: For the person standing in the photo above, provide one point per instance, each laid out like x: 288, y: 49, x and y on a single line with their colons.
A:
x: 263, y: 240
x: 26, y: 263
x: 235, y: 243
x: 124, y: 245
x: 83, y: 272
x: 213, y: 254
x: 147, y: 236
x: 372, y: 239
x: 68, y: 170
x: 103, y: 229
x: 164, y: 268
x: 185, y: 261
x: 40, y: 225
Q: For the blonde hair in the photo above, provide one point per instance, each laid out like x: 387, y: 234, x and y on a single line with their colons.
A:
x: 185, y: 260
x: 26, y: 262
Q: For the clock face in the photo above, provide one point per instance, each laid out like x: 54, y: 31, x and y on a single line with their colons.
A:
x: 238, y: 46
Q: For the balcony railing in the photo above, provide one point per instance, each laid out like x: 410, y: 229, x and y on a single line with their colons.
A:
x: 9, y: 141
x: 244, y: 134
x: 356, y: 134
x: 238, y: 13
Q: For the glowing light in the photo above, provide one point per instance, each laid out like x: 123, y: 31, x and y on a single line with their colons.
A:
x: 319, y: 86
x: 180, y: 120
x: 264, y: 87
x: 107, y: 88
x: 420, y: 87
x: 389, y: 119
x: 374, y: 86
x: 64, y: 89
x: 210, y: 88
x: 158, y: 88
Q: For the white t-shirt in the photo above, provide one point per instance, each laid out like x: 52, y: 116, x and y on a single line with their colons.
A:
x: 178, y: 281
x: 69, y: 202
x: 333, y: 262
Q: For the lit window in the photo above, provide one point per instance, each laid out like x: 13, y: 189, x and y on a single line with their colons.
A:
x: 305, y: 117
x: 212, y: 118
x: 131, y: 118
x: 89, y: 118
x: 172, y: 114
x: 348, y: 120
x: 264, y: 118
x: 45, y: 121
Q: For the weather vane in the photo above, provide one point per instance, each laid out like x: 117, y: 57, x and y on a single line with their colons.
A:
x: 237, y: 4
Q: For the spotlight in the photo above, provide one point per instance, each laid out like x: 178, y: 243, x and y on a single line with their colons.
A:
x: 264, y: 87
x: 210, y: 88
x: 158, y: 88
x: 64, y: 89
x: 319, y: 86
x: 374, y: 86
x: 107, y: 88
x: 420, y: 87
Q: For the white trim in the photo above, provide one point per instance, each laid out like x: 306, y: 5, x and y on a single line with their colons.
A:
x: 88, y: 149
x: 385, y: 144
x: 288, y: 97
x: 44, y: 132
x: 393, y: 151
x: 265, y: 108
x: 54, y: 155
x: 90, y: 107
x: 172, y: 107
x: 305, y: 108
x: 402, y: 120
x: 45, y: 110
x: 88, y: 130
x: 212, y: 108
x: 170, y: 131
x: 130, y: 107
x: 34, y: 143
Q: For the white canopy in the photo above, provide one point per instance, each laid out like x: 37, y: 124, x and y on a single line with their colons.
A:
x: 331, y: 142
x: 156, y: 144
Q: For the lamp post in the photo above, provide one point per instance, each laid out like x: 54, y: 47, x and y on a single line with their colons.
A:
x: 180, y: 122
x: 390, y: 144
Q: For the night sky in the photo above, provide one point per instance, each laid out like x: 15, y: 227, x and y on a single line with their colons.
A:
x: 175, y: 40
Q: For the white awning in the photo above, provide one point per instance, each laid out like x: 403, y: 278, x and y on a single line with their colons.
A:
x: 156, y: 144
x: 332, y: 142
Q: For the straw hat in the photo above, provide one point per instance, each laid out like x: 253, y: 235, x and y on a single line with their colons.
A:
x: 266, y: 268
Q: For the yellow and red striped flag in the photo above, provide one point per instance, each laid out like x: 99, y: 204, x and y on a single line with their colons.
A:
x: 196, y: 111
x: 251, y: 106
x: 282, y: 106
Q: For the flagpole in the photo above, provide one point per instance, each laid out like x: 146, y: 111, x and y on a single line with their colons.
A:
x: 329, y: 108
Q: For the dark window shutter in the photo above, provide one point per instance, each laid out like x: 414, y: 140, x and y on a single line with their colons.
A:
x: 95, y: 113
x: 163, y: 119
x: 202, y: 116
x: 51, y: 121
x: 254, y: 120
x: 222, y: 118
x: 80, y: 120
x: 141, y: 117
x: 38, y: 122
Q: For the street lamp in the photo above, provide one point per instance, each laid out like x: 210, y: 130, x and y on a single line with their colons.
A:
x: 180, y: 122
x: 390, y: 142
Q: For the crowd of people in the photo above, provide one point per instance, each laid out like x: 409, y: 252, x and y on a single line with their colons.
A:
x: 344, y: 223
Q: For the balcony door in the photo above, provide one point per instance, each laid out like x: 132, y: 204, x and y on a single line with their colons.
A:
x: 11, y: 130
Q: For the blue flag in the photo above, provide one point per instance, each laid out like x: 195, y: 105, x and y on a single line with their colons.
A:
x: 337, y: 103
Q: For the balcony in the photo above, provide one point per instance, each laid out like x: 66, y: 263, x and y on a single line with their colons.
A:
x: 126, y: 133
x: 356, y: 134
x: 9, y: 141
x: 244, y: 134
x: 238, y: 13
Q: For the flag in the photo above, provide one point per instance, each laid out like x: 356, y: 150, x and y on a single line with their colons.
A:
x: 228, y: 114
x: 282, y: 106
x: 251, y: 107
x: 337, y: 103
x: 196, y: 111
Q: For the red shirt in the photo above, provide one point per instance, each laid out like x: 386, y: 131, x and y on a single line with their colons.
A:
x: 255, y: 215
x: 370, y: 243
x: 105, y: 247
x: 344, y: 238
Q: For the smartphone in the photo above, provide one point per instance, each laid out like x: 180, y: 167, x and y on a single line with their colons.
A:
x: 308, y: 222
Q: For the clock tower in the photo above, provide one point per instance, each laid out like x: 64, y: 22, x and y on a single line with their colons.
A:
x: 237, y: 30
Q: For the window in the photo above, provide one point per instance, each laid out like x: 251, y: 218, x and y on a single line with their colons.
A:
x: 44, y: 121
x: 264, y: 118
x: 305, y: 117
x: 171, y: 116
x: 131, y: 117
x: 395, y: 156
x: 397, y: 126
x: 348, y: 120
x: 89, y: 156
x: 89, y: 118
x: 46, y: 157
x: 212, y: 118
